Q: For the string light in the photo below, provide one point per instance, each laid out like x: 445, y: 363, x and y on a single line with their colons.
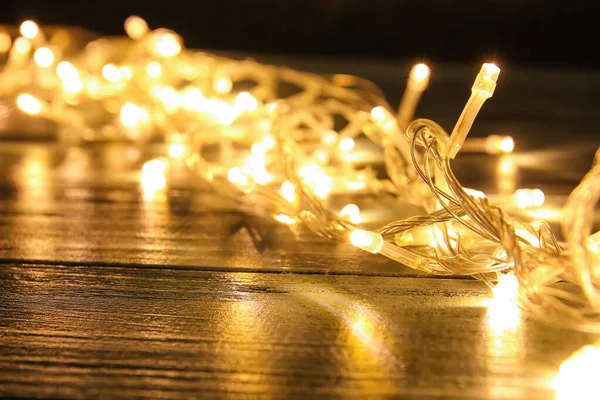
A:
x: 282, y: 153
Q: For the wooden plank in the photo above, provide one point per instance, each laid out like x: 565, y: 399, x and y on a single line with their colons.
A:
x: 72, y: 331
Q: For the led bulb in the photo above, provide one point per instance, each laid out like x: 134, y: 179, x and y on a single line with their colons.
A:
x: 528, y: 198
x: 111, y: 73
x: 367, y: 240
x: 22, y: 45
x: 351, y: 212
x: 29, y: 29
x: 240, y: 179
x: 496, y: 144
x: 245, y: 102
x: 578, y: 375
x: 485, y: 82
x: 136, y: 27
x: 288, y: 191
x: 29, y: 104
x: 419, y: 77
x: 44, y: 57
x: 347, y: 144
x: 154, y: 69
x: 167, y: 45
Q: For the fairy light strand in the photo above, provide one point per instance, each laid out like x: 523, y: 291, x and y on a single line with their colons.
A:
x: 283, y: 152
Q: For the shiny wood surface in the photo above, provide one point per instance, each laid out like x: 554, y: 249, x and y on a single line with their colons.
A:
x: 104, y: 293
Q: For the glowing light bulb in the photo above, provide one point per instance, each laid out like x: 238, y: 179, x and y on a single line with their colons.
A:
x: 240, y: 179
x: 222, y: 85
x: 153, y: 176
x: 154, y: 69
x: 136, y: 27
x: 367, y: 240
x: 44, y: 57
x: 420, y: 72
x: 176, y: 150
x: 22, y: 45
x: 379, y: 114
x: 29, y: 29
x: 111, y: 73
x: 528, y: 198
x: 578, y: 375
x: 288, y: 191
x: 351, y: 212
x: 507, y: 145
x: 507, y: 287
x: 29, y: 104
x: 131, y: 115
x: 285, y: 219
x: 65, y: 71
x: 245, y: 102
x: 126, y: 72
x: 347, y: 144
x: 167, y: 45
x: 5, y: 42
x: 329, y: 137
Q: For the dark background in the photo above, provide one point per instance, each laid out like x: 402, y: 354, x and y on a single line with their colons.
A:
x: 524, y: 32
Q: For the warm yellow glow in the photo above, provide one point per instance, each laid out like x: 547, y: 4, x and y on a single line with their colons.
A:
x: 132, y: 115
x: 241, y: 179
x: 154, y: 69
x: 44, y: 57
x: 5, y: 42
x: 29, y: 104
x: 22, y: 45
x: 153, y: 176
x: 578, y: 375
x: 136, y: 27
x: 167, y: 95
x: 347, y: 144
x: 256, y: 166
x: 527, y: 198
x: 288, y: 191
x: 351, y: 212
x: 285, y: 219
x: 329, y: 137
x: 177, y: 150
x: 490, y: 71
x: 316, y: 179
x: 507, y: 144
x: 367, y: 240
x: 111, y: 73
x: 66, y: 71
x: 503, y: 313
x: 222, y: 85
x: 379, y: 114
x: 167, y: 45
x: 245, y: 102
x: 191, y: 98
x: 126, y: 73
x: 29, y: 29
x: 420, y: 72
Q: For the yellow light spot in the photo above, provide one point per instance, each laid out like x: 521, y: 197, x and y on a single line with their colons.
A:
x: 111, y: 73
x: 65, y: 71
x: 29, y: 104
x: 379, y: 114
x: 153, y: 176
x: 578, y: 375
x: 329, y: 137
x: 316, y: 179
x: 22, y: 45
x: 222, y: 85
x: 288, y: 191
x: 490, y: 71
x: 285, y: 219
x: 503, y: 313
x: 167, y: 45
x: 176, y: 150
x: 154, y: 69
x: 29, y: 29
x: 44, y: 57
x: 507, y: 287
x: 347, y: 144
x: 5, y: 42
x: 245, y: 102
x: 507, y: 144
x: 351, y: 212
x: 136, y: 27
x: 527, y: 198
x: 132, y: 115
x: 167, y: 95
x: 367, y: 240
x: 420, y: 72
x: 240, y: 179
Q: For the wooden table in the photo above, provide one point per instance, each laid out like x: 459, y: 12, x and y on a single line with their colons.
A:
x: 106, y: 294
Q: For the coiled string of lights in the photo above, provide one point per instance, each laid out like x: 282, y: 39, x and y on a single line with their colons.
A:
x: 286, y: 143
